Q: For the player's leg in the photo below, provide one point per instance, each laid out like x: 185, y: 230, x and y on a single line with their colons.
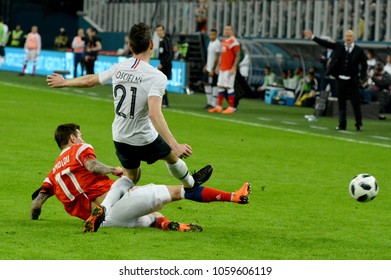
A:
x: 137, y: 202
x: 28, y: 57
x: 215, y: 90
x: 208, y: 194
x: 163, y: 223
x: 120, y: 187
x: 223, y: 75
x: 230, y: 83
x: 2, y: 55
x: 178, y: 168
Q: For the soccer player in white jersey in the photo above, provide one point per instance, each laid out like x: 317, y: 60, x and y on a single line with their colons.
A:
x: 211, y: 89
x: 140, y: 131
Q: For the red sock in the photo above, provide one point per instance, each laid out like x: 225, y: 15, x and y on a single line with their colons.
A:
x: 220, y: 99
x: 210, y: 194
x: 162, y: 223
x: 231, y: 100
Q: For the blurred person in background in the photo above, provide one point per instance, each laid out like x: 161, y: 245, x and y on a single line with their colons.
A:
x: 32, y: 47
x: 78, y: 46
x: 3, y: 40
x: 387, y: 67
x: 210, y: 78
x: 166, y: 55
x: 93, y: 46
x: 17, y: 37
x: 61, y: 41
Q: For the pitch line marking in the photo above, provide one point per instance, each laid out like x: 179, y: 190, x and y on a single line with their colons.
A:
x: 319, y: 127
x: 264, y: 119
x: 290, y: 123
x: 380, y: 137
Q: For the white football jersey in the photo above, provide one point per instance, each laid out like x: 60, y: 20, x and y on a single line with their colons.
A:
x: 214, y: 48
x: 133, y: 81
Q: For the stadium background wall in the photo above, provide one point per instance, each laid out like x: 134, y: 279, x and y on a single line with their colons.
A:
x: 50, y: 61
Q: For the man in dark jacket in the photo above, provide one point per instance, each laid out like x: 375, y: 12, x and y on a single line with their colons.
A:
x: 348, y: 66
x: 165, y: 56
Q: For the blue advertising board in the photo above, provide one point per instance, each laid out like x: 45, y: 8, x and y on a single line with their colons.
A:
x: 49, y: 61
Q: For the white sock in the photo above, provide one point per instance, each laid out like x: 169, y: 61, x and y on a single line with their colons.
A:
x: 215, y: 94
x: 116, y: 192
x: 208, y: 93
x: 180, y: 171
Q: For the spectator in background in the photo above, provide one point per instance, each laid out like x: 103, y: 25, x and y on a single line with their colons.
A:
x: 371, y: 61
x: 93, y: 46
x: 3, y: 40
x: 17, y: 37
x: 387, y: 67
x: 124, y: 51
x: 212, y: 61
x: 379, y: 89
x: 165, y: 57
x: 183, y: 46
x: 227, y: 68
x: 78, y: 46
x: 176, y: 54
x: 32, y: 47
x: 310, y: 91
x: 268, y: 81
x: 201, y: 16
x: 61, y: 41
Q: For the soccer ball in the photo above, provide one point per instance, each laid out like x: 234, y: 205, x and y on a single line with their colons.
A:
x: 363, y: 187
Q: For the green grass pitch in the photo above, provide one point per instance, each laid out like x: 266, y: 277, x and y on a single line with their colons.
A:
x: 300, y: 208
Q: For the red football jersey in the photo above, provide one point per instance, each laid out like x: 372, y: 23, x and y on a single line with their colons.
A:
x: 73, y: 184
x: 229, y: 46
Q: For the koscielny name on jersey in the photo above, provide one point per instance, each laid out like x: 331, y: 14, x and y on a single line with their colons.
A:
x: 128, y: 77
x: 61, y: 163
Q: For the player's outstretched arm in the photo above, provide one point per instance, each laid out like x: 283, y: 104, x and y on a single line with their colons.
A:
x: 36, y: 206
x: 58, y: 81
x: 98, y: 168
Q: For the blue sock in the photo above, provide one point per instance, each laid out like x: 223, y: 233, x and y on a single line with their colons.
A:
x: 195, y: 195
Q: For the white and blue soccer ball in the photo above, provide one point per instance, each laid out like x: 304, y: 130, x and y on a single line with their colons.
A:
x: 364, y: 187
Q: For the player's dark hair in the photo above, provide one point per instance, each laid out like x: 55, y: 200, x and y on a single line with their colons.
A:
x: 213, y: 30
x: 159, y: 25
x: 63, y: 132
x: 140, y: 37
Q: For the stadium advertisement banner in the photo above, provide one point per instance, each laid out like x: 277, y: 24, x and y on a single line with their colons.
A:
x: 49, y: 61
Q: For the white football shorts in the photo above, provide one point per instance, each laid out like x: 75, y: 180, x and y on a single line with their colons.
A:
x: 226, y: 79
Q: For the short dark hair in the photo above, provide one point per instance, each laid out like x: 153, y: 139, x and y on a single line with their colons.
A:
x: 379, y: 66
x: 63, y: 132
x: 140, y: 37
x: 213, y: 30
x: 159, y: 25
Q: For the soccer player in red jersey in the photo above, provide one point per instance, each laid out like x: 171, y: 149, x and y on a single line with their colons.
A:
x: 81, y: 183
x: 228, y: 65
